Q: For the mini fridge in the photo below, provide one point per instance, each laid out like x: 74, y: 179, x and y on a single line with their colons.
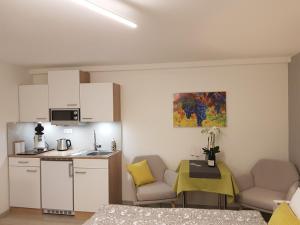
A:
x: 57, y: 186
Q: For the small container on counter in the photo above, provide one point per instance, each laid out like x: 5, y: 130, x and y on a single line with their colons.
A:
x: 19, y: 147
x: 113, y: 145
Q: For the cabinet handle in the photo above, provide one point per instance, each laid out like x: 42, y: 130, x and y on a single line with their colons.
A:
x: 41, y: 118
x: 70, y: 170
x: 87, y: 118
x: 80, y: 172
x: 72, y: 104
x: 31, y: 171
x: 23, y: 162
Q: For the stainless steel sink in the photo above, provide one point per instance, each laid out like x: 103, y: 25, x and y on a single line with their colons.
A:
x: 98, y: 153
x: 90, y: 153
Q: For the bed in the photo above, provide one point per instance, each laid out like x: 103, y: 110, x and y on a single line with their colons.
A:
x: 133, y: 215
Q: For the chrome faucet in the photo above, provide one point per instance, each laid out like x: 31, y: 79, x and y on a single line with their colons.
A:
x: 96, y: 147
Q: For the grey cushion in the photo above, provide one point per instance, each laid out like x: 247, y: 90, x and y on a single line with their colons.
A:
x: 156, y: 165
x: 274, y: 174
x: 260, y: 198
x: 155, y: 191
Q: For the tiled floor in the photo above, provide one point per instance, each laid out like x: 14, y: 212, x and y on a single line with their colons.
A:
x: 33, y: 218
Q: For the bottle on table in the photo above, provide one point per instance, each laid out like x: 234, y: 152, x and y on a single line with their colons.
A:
x: 211, y: 160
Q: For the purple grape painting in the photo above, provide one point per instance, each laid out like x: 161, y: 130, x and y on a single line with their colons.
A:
x: 199, y: 109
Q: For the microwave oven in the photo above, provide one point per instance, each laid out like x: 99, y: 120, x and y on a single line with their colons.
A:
x: 65, y: 117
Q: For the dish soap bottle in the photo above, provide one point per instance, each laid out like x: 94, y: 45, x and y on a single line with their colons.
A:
x: 113, y: 145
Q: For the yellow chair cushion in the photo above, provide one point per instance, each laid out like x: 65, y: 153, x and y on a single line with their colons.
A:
x: 283, y: 215
x: 141, y: 173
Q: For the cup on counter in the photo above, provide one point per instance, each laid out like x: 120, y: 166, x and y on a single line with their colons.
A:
x: 19, y: 147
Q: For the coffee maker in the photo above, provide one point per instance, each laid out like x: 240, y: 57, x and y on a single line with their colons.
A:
x: 39, y: 139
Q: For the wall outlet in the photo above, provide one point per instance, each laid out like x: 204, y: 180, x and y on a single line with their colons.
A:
x: 68, y: 131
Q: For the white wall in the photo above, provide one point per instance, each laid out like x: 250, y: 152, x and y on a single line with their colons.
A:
x: 257, y: 112
x: 10, y: 77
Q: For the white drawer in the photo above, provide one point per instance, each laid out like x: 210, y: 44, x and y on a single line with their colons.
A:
x: 19, y: 161
x: 91, y: 163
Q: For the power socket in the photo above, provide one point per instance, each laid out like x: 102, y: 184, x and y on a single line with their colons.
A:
x: 68, y: 131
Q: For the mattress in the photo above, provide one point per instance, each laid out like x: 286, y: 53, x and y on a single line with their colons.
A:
x: 133, y: 215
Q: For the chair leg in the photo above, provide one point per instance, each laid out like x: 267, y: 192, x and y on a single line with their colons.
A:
x: 173, y: 204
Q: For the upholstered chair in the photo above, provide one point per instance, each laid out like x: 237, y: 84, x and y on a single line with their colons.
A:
x: 268, y: 180
x: 159, y: 191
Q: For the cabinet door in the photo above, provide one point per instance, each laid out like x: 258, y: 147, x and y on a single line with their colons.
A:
x: 99, y: 102
x: 33, y: 103
x: 24, y: 183
x: 90, y: 189
x: 64, y: 89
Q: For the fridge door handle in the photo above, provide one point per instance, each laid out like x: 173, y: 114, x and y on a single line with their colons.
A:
x: 70, y: 170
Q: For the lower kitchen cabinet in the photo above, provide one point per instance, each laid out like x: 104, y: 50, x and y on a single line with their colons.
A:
x: 90, y: 189
x: 97, y: 182
x: 24, y: 183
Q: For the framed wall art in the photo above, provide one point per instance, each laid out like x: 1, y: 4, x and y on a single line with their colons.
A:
x: 199, y: 109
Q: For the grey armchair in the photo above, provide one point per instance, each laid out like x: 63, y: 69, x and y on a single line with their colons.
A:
x: 268, y: 180
x: 161, y: 190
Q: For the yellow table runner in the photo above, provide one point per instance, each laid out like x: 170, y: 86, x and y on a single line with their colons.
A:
x: 226, y: 185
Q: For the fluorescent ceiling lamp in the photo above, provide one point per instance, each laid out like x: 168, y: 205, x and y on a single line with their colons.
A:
x: 94, y: 7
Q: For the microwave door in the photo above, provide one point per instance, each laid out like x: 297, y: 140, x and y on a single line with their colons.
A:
x: 64, y: 117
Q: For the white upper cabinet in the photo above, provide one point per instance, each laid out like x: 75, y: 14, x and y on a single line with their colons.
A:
x: 64, y: 88
x: 100, y: 102
x: 33, y: 103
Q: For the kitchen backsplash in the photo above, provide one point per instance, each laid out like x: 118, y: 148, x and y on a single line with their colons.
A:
x: 82, y: 136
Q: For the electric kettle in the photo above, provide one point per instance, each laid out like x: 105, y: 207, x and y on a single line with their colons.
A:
x: 63, y: 144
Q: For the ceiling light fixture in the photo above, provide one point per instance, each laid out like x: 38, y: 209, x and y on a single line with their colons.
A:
x: 94, y: 7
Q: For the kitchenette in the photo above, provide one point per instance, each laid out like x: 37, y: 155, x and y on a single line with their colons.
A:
x: 65, y: 151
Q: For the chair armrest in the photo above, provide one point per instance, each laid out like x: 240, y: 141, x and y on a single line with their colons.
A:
x: 292, y: 190
x: 132, y: 187
x: 170, y: 177
x: 245, y: 181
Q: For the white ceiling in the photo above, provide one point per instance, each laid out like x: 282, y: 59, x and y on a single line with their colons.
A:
x: 40, y: 33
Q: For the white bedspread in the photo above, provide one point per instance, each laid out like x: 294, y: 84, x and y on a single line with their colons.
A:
x: 132, y: 215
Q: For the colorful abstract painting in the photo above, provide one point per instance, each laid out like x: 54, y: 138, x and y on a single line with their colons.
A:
x: 199, y: 109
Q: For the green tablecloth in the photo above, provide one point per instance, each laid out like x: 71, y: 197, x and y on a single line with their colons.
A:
x: 226, y: 185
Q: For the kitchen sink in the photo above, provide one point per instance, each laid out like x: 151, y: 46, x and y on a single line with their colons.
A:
x: 90, y: 153
x: 98, y: 153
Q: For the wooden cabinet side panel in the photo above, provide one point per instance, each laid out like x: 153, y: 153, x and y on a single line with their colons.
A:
x: 115, y: 179
x: 117, y: 102
x: 84, y: 77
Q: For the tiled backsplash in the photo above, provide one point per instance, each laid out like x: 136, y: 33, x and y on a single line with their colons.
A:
x: 82, y: 136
